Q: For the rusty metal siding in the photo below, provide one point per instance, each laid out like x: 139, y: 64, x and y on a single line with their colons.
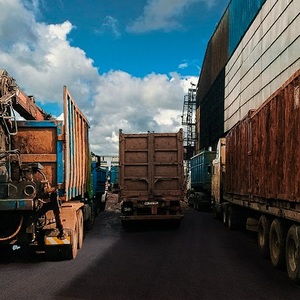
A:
x: 264, y: 147
x: 38, y: 143
x: 151, y: 166
x: 215, y: 58
x: 77, y: 153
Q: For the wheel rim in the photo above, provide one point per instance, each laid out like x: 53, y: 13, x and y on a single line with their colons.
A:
x: 274, y: 244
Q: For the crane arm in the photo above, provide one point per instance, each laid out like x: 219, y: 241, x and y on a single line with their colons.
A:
x: 12, y: 95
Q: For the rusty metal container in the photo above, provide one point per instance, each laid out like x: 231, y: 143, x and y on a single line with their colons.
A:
x: 151, y: 175
x: 62, y: 149
x: 265, y: 148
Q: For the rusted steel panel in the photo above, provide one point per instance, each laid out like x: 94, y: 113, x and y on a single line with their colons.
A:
x: 265, y: 147
x: 151, y: 165
x: 37, y: 142
x: 77, y: 153
x: 215, y: 58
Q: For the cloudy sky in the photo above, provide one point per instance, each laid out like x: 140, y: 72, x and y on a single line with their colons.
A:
x: 127, y: 64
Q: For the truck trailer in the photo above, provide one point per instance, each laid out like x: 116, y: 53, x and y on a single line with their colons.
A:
x: 99, y: 178
x: 114, y: 179
x: 256, y: 178
x: 151, y: 177
x: 45, y: 174
x: 199, y: 194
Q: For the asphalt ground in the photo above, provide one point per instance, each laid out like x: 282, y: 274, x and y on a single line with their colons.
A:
x: 199, y: 260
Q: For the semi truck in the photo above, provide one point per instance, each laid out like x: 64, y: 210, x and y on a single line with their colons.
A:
x: 114, y: 179
x: 151, y: 177
x: 99, y: 178
x: 45, y: 174
x: 256, y: 176
x: 199, y: 193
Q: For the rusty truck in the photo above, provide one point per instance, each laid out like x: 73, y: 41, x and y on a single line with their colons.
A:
x: 256, y: 178
x: 45, y: 167
x: 151, y: 177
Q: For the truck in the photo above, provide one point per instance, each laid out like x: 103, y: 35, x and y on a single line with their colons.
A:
x: 114, y: 179
x: 256, y: 180
x: 199, y: 193
x: 99, y: 178
x: 151, y: 177
x: 45, y: 174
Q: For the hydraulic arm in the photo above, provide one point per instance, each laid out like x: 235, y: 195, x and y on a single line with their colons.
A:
x: 11, y: 96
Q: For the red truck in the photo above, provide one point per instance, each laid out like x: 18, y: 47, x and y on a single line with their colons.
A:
x: 151, y: 176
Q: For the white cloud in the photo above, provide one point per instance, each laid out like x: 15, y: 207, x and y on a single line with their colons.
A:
x: 163, y: 15
x: 110, y: 25
x: 41, y: 59
x: 183, y: 65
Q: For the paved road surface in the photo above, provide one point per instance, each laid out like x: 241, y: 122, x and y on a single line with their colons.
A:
x: 200, y: 260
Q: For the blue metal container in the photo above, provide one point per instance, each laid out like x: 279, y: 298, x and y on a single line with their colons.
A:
x: 201, y: 170
x: 114, y: 174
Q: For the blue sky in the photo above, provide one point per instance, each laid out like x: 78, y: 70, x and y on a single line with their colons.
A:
x: 127, y: 63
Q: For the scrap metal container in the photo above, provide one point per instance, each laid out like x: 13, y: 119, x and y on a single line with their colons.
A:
x: 267, y: 146
x: 77, y: 164
x: 62, y: 148
x: 151, y: 177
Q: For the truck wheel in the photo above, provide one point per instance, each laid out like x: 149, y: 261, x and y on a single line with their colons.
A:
x: 263, y: 235
x: 196, y: 202
x: 225, y: 215
x: 231, y: 222
x: 89, y: 223
x: 70, y: 251
x: 80, y: 228
x: 277, y: 243
x: 292, y: 253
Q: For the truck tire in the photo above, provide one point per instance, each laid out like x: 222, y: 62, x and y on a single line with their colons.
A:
x: 293, y: 253
x: 231, y: 221
x: 277, y: 243
x: 225, y: 215
x: 80, y: 228
x: 263, y: 236
x: 70, y: 251
x: 196, y: 202
x: 89, y: 223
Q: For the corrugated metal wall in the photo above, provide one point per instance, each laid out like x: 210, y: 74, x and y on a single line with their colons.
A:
x: 212, y: 114
x: 241, y: 15
x: 258, y: 42
x: 77, y: 153
x: 266, y: 57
